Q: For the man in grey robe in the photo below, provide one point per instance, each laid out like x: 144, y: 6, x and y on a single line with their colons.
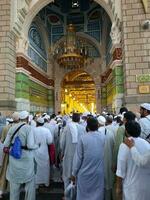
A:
x: 108, y: 148
x: 21, y: 171
x: 88, y: 164
x: 69, y: 139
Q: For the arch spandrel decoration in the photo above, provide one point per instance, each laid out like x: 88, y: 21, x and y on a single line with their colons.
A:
x: 36, y: 5
x: 36, y: 49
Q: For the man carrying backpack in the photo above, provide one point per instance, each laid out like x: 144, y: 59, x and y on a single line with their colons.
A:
x: 21, y: 169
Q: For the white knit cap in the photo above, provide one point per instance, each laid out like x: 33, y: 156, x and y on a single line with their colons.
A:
x: 146, y: 106
x: 40, y: 120
x: 101, y: 120
x: 23, y: 114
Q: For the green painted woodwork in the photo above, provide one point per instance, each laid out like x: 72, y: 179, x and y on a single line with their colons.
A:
x: 119, y: 89
x: 34, y: 92
x: 113, y: 87
x: 118, y: 80
x: 118, y: 71
x: 22, y: 86
x: 103, y: 96
x: 22, y: 95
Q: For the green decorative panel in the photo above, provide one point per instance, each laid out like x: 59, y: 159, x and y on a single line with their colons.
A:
x: 118, y: 71
x: 22, y: 77
x: 51, y: 98
x: 103, y: 95
x: 41, y: 95
x: 104, y: 89
x: 23, y: 95
x: 119, y: 89
x: 22, y: 86
x: 37, y: 94
x: 142, y: 78
x: 118, y: 80
x: 103, y: 102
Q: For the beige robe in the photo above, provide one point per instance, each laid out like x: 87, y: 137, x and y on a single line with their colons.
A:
x: 3, y: 168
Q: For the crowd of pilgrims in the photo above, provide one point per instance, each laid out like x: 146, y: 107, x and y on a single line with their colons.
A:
x: 99, y: 157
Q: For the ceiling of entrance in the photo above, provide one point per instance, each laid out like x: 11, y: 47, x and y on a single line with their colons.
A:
x: 91, y: 22
x: 86, y: 15
x: 80, y: 86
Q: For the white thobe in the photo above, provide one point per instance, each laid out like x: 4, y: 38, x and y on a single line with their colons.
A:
x: 140, y: 159
x: 135, y: 179
x: 145, y: 126
x: 51, y: 128
x: 68, y: 149
x: 43, y: 137
x: 21, y: 170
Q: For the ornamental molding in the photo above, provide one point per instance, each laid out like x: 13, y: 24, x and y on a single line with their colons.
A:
x: 116, y: 63
x: 40, y: 83
x: 22, y: 70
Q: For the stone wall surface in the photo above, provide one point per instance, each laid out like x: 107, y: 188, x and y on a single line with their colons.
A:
x: 136, y: 50
x: 7, y: 58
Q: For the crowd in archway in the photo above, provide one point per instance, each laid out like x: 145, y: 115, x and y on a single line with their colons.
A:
x: 99, y: 156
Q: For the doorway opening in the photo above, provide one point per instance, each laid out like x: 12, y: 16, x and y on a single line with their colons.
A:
x: 78, y: 93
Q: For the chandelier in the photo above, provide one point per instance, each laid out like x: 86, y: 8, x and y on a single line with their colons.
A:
x: 71, y: 55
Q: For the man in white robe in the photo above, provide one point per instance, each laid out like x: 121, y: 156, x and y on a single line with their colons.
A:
x: 132, y: 181
x: 43, y: 138
x: 69, y: 140
x: 140, y: 159
x: 21, y: 171
x: 145, y: 121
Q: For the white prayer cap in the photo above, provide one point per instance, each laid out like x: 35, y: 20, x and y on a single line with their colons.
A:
x: 46, y: 117
x: 40, y: 120
x: 101, y: 120
x: 23, y: 114
x: 59, y: 119
x: 44, y: 114
x: 146, y: 106
x: 121, y: 117
x: 123, y: 114
x: 15, y: 116
x: 85, y: 114
x: 10, y: 120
